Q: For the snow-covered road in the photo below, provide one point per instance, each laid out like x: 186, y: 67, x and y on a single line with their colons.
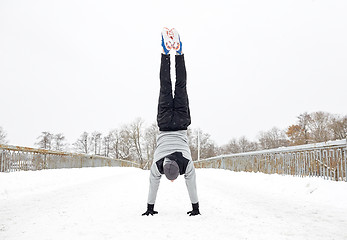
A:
x: 107, y: 203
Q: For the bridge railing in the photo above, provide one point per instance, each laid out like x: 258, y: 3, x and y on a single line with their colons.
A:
x: 15, y: 158
x: 326, y: 160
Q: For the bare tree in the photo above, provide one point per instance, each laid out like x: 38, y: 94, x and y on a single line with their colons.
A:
x: 121, y: 144
x: 231, y: 147
x: 135, y: 131
x: 3, y: 136
x: 96, y: 142
x: 83, y: 144
x: 207, y: 145
x: 115, y: 144
x: 238, y: 146
x: 273, y: 138
x: 45, y: 140
x: 124, y: 143
x: 107, y: 143
x: 247, y: 146
x: 303, y: 121
x: 150, y: 141
x: 197, y: 138
x: 338, y: 127
x: 319, y: 123
x: 59, y: 142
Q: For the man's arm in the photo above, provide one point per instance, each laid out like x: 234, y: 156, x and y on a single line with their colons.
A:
x: 191, y: 182
x: 154, y: 180
x: 191, y: 186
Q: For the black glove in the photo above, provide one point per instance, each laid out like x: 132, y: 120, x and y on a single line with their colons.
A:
x: 150, y: 210
x: 195, y: 210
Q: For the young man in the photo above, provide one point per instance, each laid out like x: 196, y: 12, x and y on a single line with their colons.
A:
x: 172, y: 156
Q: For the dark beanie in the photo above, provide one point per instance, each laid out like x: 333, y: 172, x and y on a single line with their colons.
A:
x: 171, y: 169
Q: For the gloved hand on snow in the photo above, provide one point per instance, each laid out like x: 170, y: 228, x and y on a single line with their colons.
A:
x: 150, y: 210
x: 195, y: 210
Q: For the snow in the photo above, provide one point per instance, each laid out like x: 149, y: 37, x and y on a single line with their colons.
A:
x: 107, y: 203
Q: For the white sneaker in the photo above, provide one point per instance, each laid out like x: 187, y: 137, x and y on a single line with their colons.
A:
x: 167, y: 37
x: 177, y: 44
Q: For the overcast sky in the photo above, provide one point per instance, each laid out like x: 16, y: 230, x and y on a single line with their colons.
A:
x: 70, y: 66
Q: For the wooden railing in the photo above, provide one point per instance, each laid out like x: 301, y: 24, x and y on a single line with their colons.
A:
x: 326, y: 160
x: 15, y: 158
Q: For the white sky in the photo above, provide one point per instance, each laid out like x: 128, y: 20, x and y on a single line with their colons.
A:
x: 71, y: 66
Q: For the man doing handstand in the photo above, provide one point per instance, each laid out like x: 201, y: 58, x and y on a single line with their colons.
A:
x: 172, y: 156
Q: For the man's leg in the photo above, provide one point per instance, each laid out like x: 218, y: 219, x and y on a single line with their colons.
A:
x: 165, y: 104
x: 181, y: 118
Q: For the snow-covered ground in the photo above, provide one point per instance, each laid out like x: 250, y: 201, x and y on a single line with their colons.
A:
x: 107, y: 203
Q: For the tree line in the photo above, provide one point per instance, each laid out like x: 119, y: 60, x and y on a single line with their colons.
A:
x: 310, y: 128
x: 136, y: 142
